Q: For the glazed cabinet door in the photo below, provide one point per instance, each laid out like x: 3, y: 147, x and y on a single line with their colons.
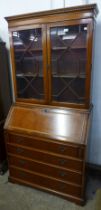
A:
x: 69, y: 61
x: 28, y: 48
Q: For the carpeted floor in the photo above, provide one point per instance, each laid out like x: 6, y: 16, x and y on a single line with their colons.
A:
x: 16, y: 197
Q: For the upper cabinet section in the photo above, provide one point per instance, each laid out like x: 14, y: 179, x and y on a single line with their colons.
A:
x: 51, y: 56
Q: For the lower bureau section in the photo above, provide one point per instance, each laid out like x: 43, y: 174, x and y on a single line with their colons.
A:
x: 43, y: 182
x: 47, y: 150
x: 46, y: 157
x: 49, y: 170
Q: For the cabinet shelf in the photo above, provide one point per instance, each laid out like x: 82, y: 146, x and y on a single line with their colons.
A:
x: 53, y: 48
x: 73, y: 48
x: 69, y: 76
x: 27, y: 75
x: 31, y: 49
x: 21, y: 75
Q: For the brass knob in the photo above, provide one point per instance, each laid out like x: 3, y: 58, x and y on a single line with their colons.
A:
x: 22, y: 162
x: 19, y: 150
x: 62, y: 161
x: 18, y: 140
x: 22, y: 174
x: 62, y: 186
x: 62, y: 173
x: 62, y: 148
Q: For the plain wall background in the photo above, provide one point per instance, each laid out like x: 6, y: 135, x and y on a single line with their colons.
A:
x: 13, y: 7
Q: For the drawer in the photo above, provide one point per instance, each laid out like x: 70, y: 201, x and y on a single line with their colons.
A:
x: 62, y: 161
x: 48, y: 170
x: 45, y: 182
x: 50, y: 146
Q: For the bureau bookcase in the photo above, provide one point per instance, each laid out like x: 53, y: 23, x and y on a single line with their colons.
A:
x: 46, y: 131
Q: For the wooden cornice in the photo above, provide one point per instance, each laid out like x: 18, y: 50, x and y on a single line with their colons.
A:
x: 89, y: 7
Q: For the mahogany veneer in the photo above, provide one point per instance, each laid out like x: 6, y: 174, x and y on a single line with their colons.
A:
x: 46, y: 131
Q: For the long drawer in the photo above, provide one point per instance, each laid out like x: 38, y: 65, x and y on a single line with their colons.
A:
x: 46, y: 182
x: 51, y: 171
x: 59, y: 160
x: 48, y: 145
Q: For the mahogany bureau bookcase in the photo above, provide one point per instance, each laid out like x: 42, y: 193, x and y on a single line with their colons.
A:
x: 46, y: 131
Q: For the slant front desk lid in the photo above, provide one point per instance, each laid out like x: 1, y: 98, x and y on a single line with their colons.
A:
x: 68, y: 125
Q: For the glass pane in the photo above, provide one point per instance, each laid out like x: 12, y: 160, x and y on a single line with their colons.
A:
x: 29, y: 63
x: 69, y: 55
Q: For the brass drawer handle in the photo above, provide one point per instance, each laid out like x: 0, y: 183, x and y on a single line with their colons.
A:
x: 62, y: 173
x: 62, y: 186
x: 22, y: 174
x: 18, y: 140
x: 62, y: 148
x: 22, y: 162
x: 19, y: 150
x: 62, y: 161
